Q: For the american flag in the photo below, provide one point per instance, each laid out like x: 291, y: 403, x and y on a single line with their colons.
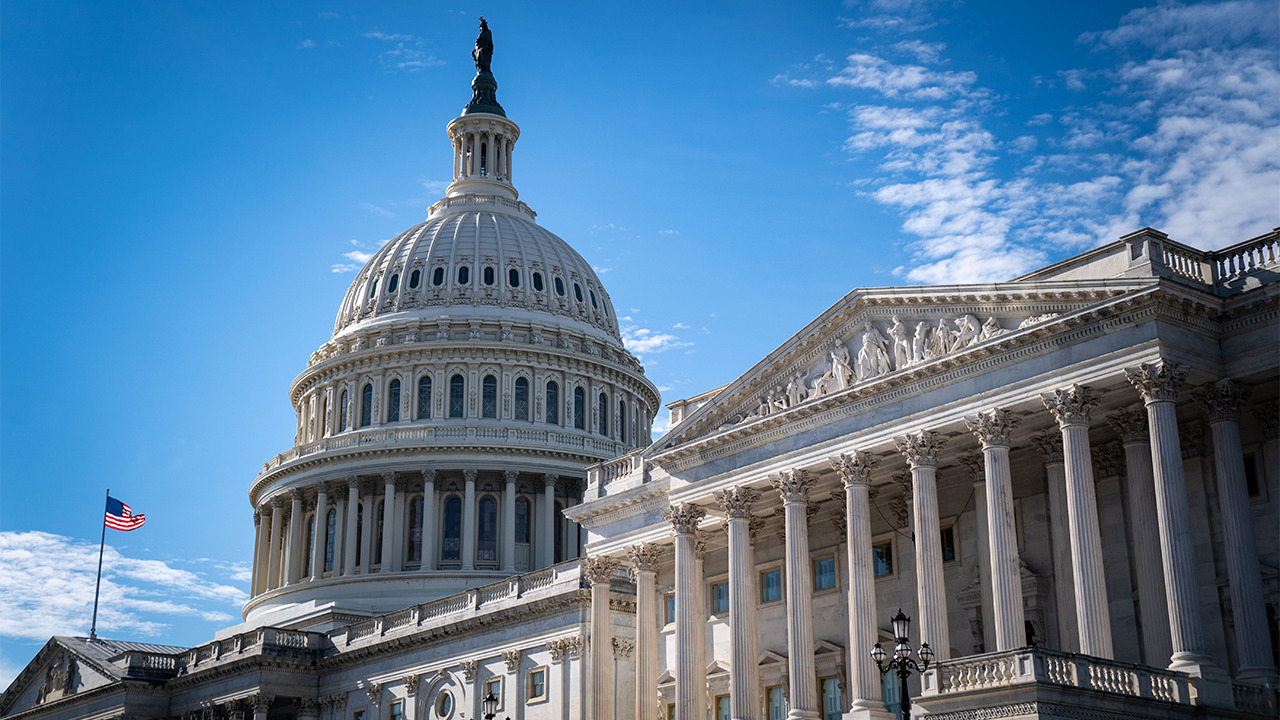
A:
x: 120, y: 517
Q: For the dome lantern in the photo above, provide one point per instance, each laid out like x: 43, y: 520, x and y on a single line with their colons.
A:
x: 482, y: 137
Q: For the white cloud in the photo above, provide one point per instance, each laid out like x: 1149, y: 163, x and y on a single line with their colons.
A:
x: 680, y: 326
x: 379, y: 211
x: 600, y: 270
x: 786, y: 79
x: 306, y: 44
x: 406, y: 54
x: 1175, y: 26
x: 870, y: 72
x: 925, y: 52
x: 641, y: 341
x: 358, y: 256
x: 435, y: 187
x: 661, y: 423
x: 668, y: 232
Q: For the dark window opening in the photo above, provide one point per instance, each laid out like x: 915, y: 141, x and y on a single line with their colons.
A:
x: 424, y: 398
x: 513, y: 278
x: 489, y: 399
x: 577, y: 291
x: 457, y: 388
x: 579, y: 409
x: 537, y: 281
x: 553, y: 403
x: 393, y: 284
x: 393, y: 401
x: 366, y: 405
x: 464, y: 275
x: 559, y: 287
x: 488, y: 276
x: 414, y: 279
x: 437, y: 278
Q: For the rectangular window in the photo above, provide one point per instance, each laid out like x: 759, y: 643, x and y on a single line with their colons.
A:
x: 824, y: 572
x: 1251, y: 475
x: 775, y: 706
x: 397, y: 711
x: 493, y: 686
x: 538, y: 683
x: 770, y: 585
x: 882, y: 558
x: 719, y: 598
x: 948, y: 544
x: 669, y: 608
x: 671, y: 711
x: 722, y: 708
x: 832, y: 706
x: 357, y: 715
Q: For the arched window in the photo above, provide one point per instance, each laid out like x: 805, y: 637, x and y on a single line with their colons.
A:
x: 602, y: 409
x: 424, y: 397
x: 487, y: 538
x: 393, y: 401
x: 523, y: 534
x: 415, y: 530
x: 559, y: 287
x: 451, y: 547
x: 437, y: 277
x: 457, y: 389
x: 366, y: 405
x: 331, y: 527
x: 464, y: 275
x: 415, y: 279
x: 342, y: 412
x: 513, y: 278
x: 553, y: 403
x: 379, y: 510
x: 622, y: 421
x: 393, y: 284
x: 560, y: 552
x: 489, y: 276
x: 579, y: 409
x: 522, y: 399
x: 489, y: 397
x: 310, y: 544
x: 537, y: 281
x: 484, y: 159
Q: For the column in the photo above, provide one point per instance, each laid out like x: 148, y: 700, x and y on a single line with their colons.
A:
x: 261, y: 705
x: 644, y: 569
x: 349, y: 530
x: 388, y: 520
x: 429, y: 519
x: 994, y: 430
x: 690, y: 679
x: 700, y: 608
x: 297, y: 526
x: 469, y: 520
x: 974, y: 465
x: 865, y: 700
x: 1144, y: 533
x: 547, y: 528
x: 261, y: 543
x: 1049, y: 444
x: 509, y: 522
x: 743, y: 653
x: 793, y: 486
x: 1221, y: 402
x: 921, y: 450
x: 319, y: 539
x: 1072, y: 407
x: 369, y: 529
x: 399, y: 523
x: 339, y: 528
x: 273, y: 558
x: 599, y: 571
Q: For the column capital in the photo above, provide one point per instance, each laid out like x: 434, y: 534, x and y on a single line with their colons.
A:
x: 855, y: 469
x: 736, y: 502
x: 921, y: 447
x: 1130, y: 425
x: 1157, y: 382
x: 1049, y: 445
x: 1222, y: 400
x: 321, y: 486
x: 792, y: 485
x: 510, y: 475
x: 645, y: 557
x: 278, y: 502
x: 599, y: 568
x: 353, y: 482
x: 755, y: 526
x: 974, y: 464
x: 389, y: 477
x: 428, y: 475
x: 469, y: 475
x: 297, y: 494
x: 411, y: 684
x: 993, y: 428
x: 1071, y: 405
x: 550, y: 479
x: 512, y: 659
x: 1108, y: 461
x: 701, y: 540
x: 684, y: 517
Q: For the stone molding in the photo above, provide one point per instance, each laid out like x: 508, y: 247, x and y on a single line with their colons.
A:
x: 622, y: 648
x: 411, y: 684
x: 974, y: 464
x: 469, y: 669
x: 1130, y: 425
x: 512, y: 659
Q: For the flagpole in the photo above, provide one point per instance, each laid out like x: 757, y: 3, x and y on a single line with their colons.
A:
x: 93, y: 630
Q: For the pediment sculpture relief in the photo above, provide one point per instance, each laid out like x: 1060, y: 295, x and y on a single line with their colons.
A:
x: 59, y: 679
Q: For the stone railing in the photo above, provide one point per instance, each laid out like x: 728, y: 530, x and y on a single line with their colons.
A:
x: 1246, y: 257
x: 147, y: 665
x: 979, y: 673
x: 1255, y: 699
x: 611, y: 470
x: 261, y: 641
x: 470, y: 199
x: 1218, y: 268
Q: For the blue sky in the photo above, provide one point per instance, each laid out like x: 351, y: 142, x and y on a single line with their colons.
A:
x: 187, y: 187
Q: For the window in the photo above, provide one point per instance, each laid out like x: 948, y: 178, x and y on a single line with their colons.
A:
x: 513, y: 278
x: 357, y: 715
x: 538, y: 683
x: 342, y: 411
x: 451, y: 548
x: 394, y: 284
x: 948, y: 544
x: 488, y: 275
x: 457, y: 388
x: 393, y: 401
x: 579, y: 409
x: 359, y: 532
x: 622, y: 421
x: 444, y: 705
x: 1251, y: 475
x: 484, y: 159
x: 415, y: 279
x: 770, y: 585
x: 487, y: 547
x: 415, y: 530
x: 424, y: 397
x: 668, y: 608
x: 720, y: 597
x: 366, y: 405
x: 373, y: 288
x: 489, y: 397
x: 522, y: 399
x: 464, y: 275
x: 397, y: 710
x: 308, y: 553
x: 559, y: 287
x: 882, y: 558
x: 824, y: 572
x: 775, y: 706
x: 832, y: 704
x: 722, y: 708
x: 593, y: 299
x: 553, y: 403
x: 493, y: 686
x: 331, y: 525
x: 537, y: 281
x: 437, y: 277
x: 577, y: 291
x: 602, y: 409
x: 523, y: 534
x: 380, y: 511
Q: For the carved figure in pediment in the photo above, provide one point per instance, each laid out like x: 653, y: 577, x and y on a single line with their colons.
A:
x: 873, y: 357
x: 766, y: 406
x: 991, y: 328
x: 921, y: 349
x: 970, y: 331
x: 795, y: 391
x: 841, y: 371
x: 779, y: 398
x: 899, y: 332
x: 943, y: 337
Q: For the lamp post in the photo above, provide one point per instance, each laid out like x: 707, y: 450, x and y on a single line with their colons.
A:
x: 902, y: 660
x: 489, y: 706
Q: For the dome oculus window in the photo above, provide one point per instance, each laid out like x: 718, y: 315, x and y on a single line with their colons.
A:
x: 489, y: 276
x: 464, y: 275
x: 415, y: 279
x: 437, y: 278
x: 395, y: 283
x: 559, y: 287
x: 513, y: 278
x: 537, y: 281
x: 577, y: 291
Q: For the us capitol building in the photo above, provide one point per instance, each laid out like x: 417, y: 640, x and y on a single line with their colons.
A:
x: 1068, y: 481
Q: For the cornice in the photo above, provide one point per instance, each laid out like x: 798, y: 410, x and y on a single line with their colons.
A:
x: 633, y: 501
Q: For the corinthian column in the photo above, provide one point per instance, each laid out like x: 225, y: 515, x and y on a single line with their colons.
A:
x: 293, y: 557
x: 469, y: 520
x: 1221, y: 402
x: 644, y: 568
x: 1073, y: 408
x: 349, y: 540
x: 547, y: 528
x: 690, y: 679
x: 388, y: 522
x: 743, y: 654
x: 994, y: 430
x: 793, y: 486
x: 273, y: 560
x: 1049, y: 445
x: 599, y: 571
x: 261, y: 549
x: 921, y: 450
x: 319, y: 538
x: 855, y: 471
x: 1144, y: 528
x: 509, y: 522
x: 429, y: 519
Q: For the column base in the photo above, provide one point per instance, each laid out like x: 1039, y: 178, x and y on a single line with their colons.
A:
x: 868, y: 710
x: 804, y: 715
x: 1261, y: 676
x: 1210, y: 684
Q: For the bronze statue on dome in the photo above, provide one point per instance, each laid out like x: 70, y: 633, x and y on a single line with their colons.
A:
x: 483, y: 53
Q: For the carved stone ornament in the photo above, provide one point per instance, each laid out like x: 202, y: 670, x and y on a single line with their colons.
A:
x: 684, y: 518
x: 622, y: 648
x: 974, y: 464
x: 1268, y: 415
x: 921, y: 448
x: 576, y: 645
x: 645, y: 557
x: 262, y: 703
x: 993, y: 428
x: 411, y: 684
x: 512, y: 659
x: 1130, y: 425
x: 469, y: 475
x: 1157, y: 383
x: 308, y: 706
x: 701, y: 543
x: 756, y: 525
x: 469, y: 669
x: 855, y: 469
x: 736, y: 502
x: 599, y: 569
x: 841, y: 523
x: 1221, y: 400
x: 374, y: 691
x: 557, y: 648
x: 510, y: 475
x: 901, y: 511
x: 1049, y: 445
x: 792, y: 485
x: 1071, y: 406
x: 353, y: 482
x: 1108, y: 461
x: 550, y: 480
x: 428, y: 474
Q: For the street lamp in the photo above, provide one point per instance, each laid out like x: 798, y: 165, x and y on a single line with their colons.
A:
x: 489, y: 706
x: 902, y: 660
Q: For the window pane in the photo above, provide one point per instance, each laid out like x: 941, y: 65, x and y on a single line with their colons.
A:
x: 513, y: 278
x: 424, y: 398
x: 415, y: 278
x: 457, y: 388
x: 577, y: 291
x: 393, y: 401
x: 622, y: 421
x: 380, y: 511
x: 770, y: 585
x: 451, y: 548
x: 553, y: 404
x: 415, y: 530
x: 579, y: 408
x: 331, y: 523
x: 669, y: 608
x: 777, y: 708
x: 489, y: 400
x: 342, y: 412
x: 488, y: 276
x: 602, y: 410
x: 487, y: 548
x: 559, y: 287
x: 522, y: 520
x: 394, y: 284
x: 722, y: 708
x: 948, y: 544
x: 831, y: 701
x: 522, y: 399
x: 824, y: 572
x: 537, y: 683
x: 366, y: 405
x: 537, y: 281
x: 719, y: 598
x: 882, y: 558
x: 464, y: 275
x: 437, y: 278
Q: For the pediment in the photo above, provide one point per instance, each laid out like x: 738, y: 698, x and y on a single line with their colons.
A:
x: 769, y: 657
x: 58, y: 672
x: 874, y: 335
